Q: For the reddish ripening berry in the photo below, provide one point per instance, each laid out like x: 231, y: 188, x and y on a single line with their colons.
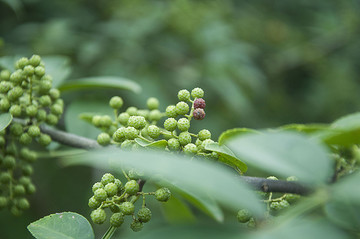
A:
x: 199, y: 103
x: 199, y: 114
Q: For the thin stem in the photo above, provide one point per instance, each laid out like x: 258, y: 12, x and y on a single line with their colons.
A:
x: 109, y: 233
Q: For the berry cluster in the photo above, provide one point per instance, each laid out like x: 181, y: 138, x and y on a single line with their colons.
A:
x: 134, y: 123
x: 26, y: 94
x: 111, y: 193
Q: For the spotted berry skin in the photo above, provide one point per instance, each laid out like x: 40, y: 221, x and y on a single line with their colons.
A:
x: 111, y: 189
x: 15, y: 110
x: 243, y: 216
x: 107, y: 178
x: 116, y: 102
x: 119, y: 135
x: 155, y: 115
x: 199, y: 114
x: 183, y: 124
x: 31, y: 110
x: 117, y: 219
x: 171, y: 111
x: 136, y: 226
x: 35, y: 60
x: 170, y: 124
x: 144, y: 214
x: 153, y: 131
x: 44, y: 139
x: 93, y: 203
x: 98, y: 216
x: 34, y: 131
x: 131, y: 133
x: 184, y: 138
x: 123, y: 118
x: 138, y: 122
x: 103, y: 139
x: 131, y: 187
x: 190, y: 149
x: 127, y: 208
x: 204, y: 134
x: 173, y: 144
x: 152, y: 103
x: 97, y: 186
x: 100, y: 194
x: 182, y: 108
x: 184, y: 95
x: 132, y: 110
x: 199, y: 103
x: 197, y: 93
x: 163, y: 194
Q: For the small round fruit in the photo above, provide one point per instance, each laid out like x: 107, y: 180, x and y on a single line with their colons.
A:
x: 116, y: 102
x: 155, y: 115
x: 184, y: 95
x: 162, y: 194
x: 119, y: 135
x: 152, y: 103
x: 100, y: 195
x: 131, y: 133
x: 107, y: 178
x: 127, y: 208
x: 136, y: 226
x: 153, y: 131
x: 182, y: 108
x: 190, y: 149
x: 173, y: 144
x: 97, y: 186
x: 93, y: 203
x: 199, y: 103
x: 117, y: 219
x: 111, y: 189
x: 98, y: 216
x: 123, y: 118
x: 243, y: 216
x: 144, y: 214
x: 197, y: 93
x: 44, y: 139
x: 204, y: 134
x: 171, y: 111
x: 183, y: 124
x: 131, y: 187
x: 34, y: 131
x: 103, y: 139
x: 184, y: 138
x: 170, y: 124
x: 199, y: 114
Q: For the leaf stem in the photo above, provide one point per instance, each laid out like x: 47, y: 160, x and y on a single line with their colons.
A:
x: 109, y: 233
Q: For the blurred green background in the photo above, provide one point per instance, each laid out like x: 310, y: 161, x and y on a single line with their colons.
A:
x: 261, y: 64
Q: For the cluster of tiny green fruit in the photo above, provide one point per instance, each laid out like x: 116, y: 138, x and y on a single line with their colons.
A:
x: 112, y: 194
x: 274, y: 204
x: 134, y: 125
x: 26, y: 94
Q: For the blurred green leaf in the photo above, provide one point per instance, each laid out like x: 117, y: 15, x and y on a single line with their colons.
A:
x: 176, y: 211
x: 5, y: 120
x: 198, y: 177
x: 305, y: 128
x: 344, y: 214
x: 346, y: 189
x: 285, y: 154
x: 161, y: 144
x: 8, y: 62
x: 16, y: 5
x: 111, y: 82
x: 58, y: 67
x: 227, y: 156
x: 62, y: 225
x: 228, y: 134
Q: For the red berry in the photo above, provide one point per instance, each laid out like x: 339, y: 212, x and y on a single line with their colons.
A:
x: 199, y: 103
x: 199, y: 114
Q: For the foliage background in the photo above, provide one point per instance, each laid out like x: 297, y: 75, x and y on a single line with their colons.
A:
x: 261, y: 64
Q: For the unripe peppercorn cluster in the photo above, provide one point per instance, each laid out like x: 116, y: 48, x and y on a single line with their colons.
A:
x: 27, y: 94
x: 110, y: 193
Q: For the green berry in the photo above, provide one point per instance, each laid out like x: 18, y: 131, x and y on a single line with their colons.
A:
x: 96, y: 120
x: 127, y: 208
x: 4, y: 87
x: 184, y: 95
x: 198, y: 142
x: 153, y: 131
x: 97, y: 186
x: 170, y: 124
x: 25, y: 139
x: 5, y: 177
x: 19, y: 190
x: 136, y: 226
x: 34, y: 131
x: 15, y: 110
x: 190, y: 149
x: 107, y: 178
x: 171, y: 111
x: 105, y: 121
x: 54, y: 94
x: 44, y: 139
x: 204, y: 134
x: 15, y: 93
x: 123, y: 118
x: 143, y: 113
x: 111, y: 189
x: 9, y: 162
x: 41, y: 115
x: 183, y: 124
x: 119, y: 135
x: 17, y: 77
x: 21, y: 63
x: 103, y: 139
x: 132, y: 110
x: 182, y: 108
x: 114, y: 208
x: 197, y: 93
x: 131, y: 187
x: 251, y: 223
x: 4, y: 104
x: 173, y: 144
x: 31, y: 110
x: 52, y: 119
x: 138, y: 122
x: 155, y: 115
x: 243, y: 216
x: 27, y: 169
x: 5, y: 75
x: 184, y: 138
x: 16, y: 129
x: 117, y: 219
x: 24, y: 180
x: 23, y: 204
x: 56, y: 109
x: 93, y: 203
x: 152, y: 103
x: 35, y: 60
x: 118, y: 183
x: 204, y: 143
x: 98, y: 216
x: 162, y: 194
x: 30, y: 189
x: 3, y: 202
x: 284, y: 204
x: 131, y: 133
x: 116, y: 102
x: 100, y: 195
x: 29, y: 70
x: 144, y: 214
x: 15, y: 211
x: 39, y: 71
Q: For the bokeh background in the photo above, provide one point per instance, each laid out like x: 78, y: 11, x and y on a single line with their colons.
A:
x: 261, y: 64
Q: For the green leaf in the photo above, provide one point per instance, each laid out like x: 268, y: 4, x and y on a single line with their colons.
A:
x: 347, y: 189
x: 305, y: 128
x: 196, y: 176
x: 227, y: 156
x: 285, y: 154
x: 160, y: 144
x: 228, y: 134
x: 175, y: 211
x: 8, y: 62
x: 111, y: 82
x: 344, y: 214
x: 58, y: 67
x: 5, y: 120
x: 61, y: 226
